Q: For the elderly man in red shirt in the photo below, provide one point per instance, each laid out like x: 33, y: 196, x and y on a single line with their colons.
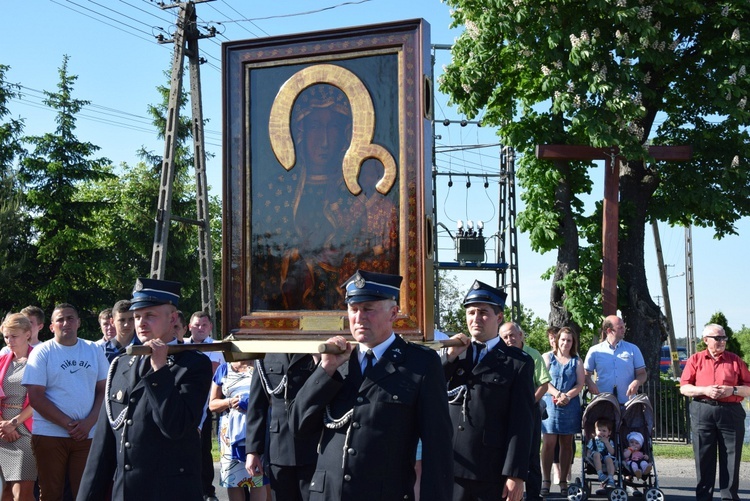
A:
x: 717, y: 380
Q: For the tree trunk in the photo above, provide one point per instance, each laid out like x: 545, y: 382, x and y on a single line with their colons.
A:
x: 645, y: 321
x: 567, y: 253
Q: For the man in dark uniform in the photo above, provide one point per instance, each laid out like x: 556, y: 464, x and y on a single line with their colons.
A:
x: 718, y: 381
x: 147, y: 436
x: 491, y: 396
x: 277, y: 379
x: 371, y: 404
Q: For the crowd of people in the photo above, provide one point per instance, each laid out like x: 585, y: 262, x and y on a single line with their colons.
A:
x: 377, y: 419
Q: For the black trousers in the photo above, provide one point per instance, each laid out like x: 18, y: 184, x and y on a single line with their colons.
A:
x: 534, y: 482
x: 207, y: 461
x: 717, y: 429
x: 291, y: 483
x: 465, y: 489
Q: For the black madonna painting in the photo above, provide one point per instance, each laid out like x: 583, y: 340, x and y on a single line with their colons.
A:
x: 324, y: 171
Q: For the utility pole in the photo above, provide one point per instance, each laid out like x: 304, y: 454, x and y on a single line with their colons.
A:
x: 508, y: 190
x: 690, y: 290
x: 506, y: 219
x: 185, y: 43
x: 667, y: 305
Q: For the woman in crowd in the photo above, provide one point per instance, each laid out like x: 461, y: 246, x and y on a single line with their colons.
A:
x: 16, y: 459
x: 563, y: 405
x: 229, y: 395
x: 551, y: 335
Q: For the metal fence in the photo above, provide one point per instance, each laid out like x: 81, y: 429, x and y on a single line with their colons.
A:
x: 671, y: 411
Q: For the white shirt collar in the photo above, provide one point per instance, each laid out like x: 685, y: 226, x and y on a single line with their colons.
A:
x: 492, y: 342
x: 378, y: 350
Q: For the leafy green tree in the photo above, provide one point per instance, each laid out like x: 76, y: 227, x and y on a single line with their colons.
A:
x: 53, y: 173
x: 612, y: 73
x: 743, y: 338
x: 13, y: 226
x: 10, y: 128
x: 452, y: 315
x: 535, y: 329
x: 124, y: 227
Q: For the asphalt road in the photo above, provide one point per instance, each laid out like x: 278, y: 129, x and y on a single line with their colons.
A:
x: 676, y: 480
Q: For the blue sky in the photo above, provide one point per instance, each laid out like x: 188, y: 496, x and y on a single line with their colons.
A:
x: 113, y: 51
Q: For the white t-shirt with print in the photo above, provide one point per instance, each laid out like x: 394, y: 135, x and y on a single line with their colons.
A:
x: 70, y: 374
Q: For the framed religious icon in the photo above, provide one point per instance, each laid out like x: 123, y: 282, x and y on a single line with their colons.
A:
x: 327, y: 151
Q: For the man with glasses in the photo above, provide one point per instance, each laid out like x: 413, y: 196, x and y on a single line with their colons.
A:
x: 717, y: 380
x: 618, y: 364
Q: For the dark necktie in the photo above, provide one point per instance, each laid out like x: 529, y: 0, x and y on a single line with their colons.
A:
x: 369, y: 362
x: 478, y: 347
x: 145, y: 365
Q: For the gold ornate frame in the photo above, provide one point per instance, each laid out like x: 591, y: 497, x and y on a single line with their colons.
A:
x: 287, y: 66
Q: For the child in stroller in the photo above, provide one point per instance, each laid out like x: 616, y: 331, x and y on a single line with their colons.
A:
x: 636, y: 430
x: 601, y: 451
x: 635, y: 459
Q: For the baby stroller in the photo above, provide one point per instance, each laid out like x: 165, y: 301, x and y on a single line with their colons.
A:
x: 604, y: 405
x: 638, y: 422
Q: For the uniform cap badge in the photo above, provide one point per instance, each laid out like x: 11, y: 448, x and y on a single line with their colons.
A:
x: 359, y: 281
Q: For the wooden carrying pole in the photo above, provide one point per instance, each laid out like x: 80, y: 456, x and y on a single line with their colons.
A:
x: 257, y: 348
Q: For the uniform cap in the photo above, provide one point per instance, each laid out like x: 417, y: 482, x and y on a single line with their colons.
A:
x: 151, y: 292
x: 480, y: 292
x: 370, y: 286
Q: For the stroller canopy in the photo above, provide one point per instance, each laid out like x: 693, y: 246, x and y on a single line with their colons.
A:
x: 639, y: 415
x: 603, y: 405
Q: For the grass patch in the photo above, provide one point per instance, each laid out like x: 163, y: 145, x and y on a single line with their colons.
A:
x: 215, y: 451
x: 682, y: 451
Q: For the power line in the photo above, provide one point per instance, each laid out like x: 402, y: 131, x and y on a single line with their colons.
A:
x: 465, y: 162
x: 118, y: 13
x: 238, y: 12
x: 99, y: 20
x: 119, y: 118
x: 305, y: 13
x: 111, y: 111
x: 102, y: 15
x: 149, y: 12
x: 240, y: 25
x: 148, y: 130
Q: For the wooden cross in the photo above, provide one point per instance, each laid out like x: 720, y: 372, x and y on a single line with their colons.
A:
x: 611, y: 216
